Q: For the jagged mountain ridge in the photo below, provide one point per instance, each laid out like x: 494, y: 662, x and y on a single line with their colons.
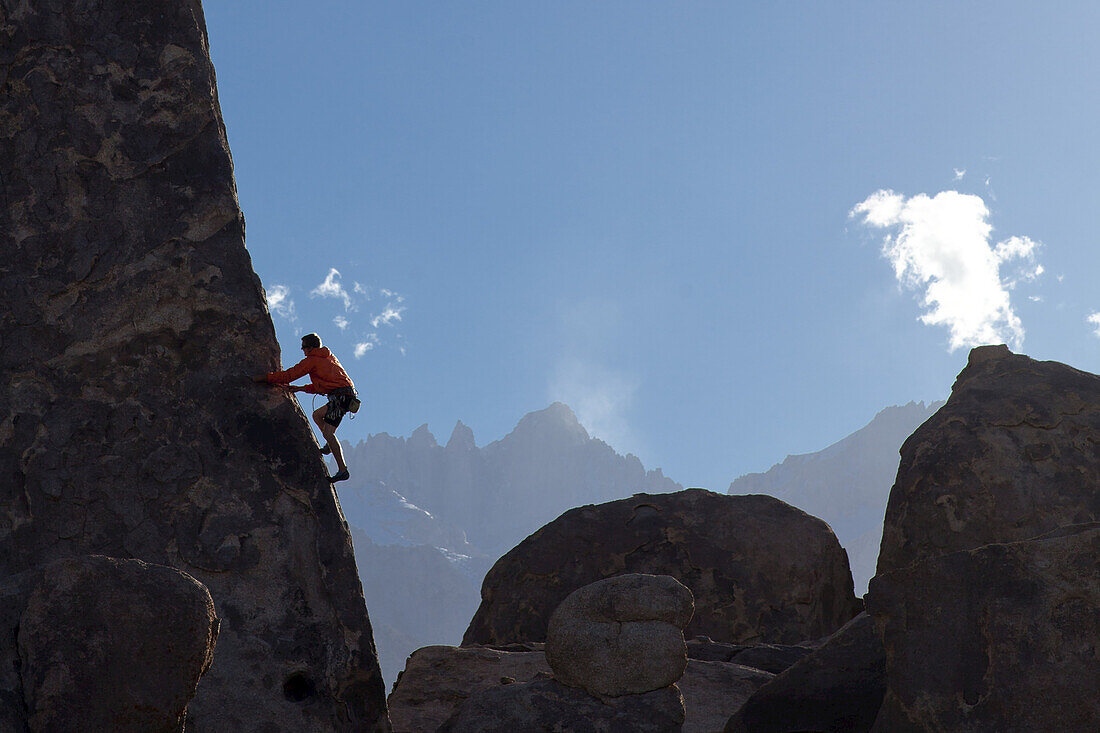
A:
x: 848, y: 483
x: 502, y: 492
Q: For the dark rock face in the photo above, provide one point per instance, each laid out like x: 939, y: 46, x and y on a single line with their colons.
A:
x: 116, y: 645
x: 1000, y: 638
x: 1011, y: 455
x: 438, y: 679
x: 621, y: 636
x: 715, y: 690
x: 130, y: 318
x: 759, y: 569
x: 836, y: 688
x: 548, y: 705
x: 773, y: 658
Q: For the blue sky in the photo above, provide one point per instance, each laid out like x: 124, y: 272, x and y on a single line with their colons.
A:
x: 671, y: 216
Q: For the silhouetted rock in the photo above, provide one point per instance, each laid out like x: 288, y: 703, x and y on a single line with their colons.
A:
x: 130, y: 320
x: 847, y: 484
x: 772, y: 658
x: 759, y: 570
x: 113, y: 645
x: 1011, y: 455
x: 837, y: 688
x: 546, y: 465
x: 621, y: 636
x: 438, y: 679
x: 999, y: 638
x: 715, y: 690
x: 547, y: 705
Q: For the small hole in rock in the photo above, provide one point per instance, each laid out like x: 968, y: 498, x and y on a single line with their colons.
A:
x: 299, y: 687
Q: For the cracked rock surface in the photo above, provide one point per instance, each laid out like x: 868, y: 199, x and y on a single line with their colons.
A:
x: 759, y: 569
x: 130, y: 320
x: 1014, y: 453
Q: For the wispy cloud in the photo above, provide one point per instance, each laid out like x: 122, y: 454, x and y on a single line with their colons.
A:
x: 940, y: 246
x: 366, y: 345
x: 331, y: 288
x: 1094, y: 319
x: 279, y: 302
x: 959, y: 173
x: 392, y: 312
x: 341, y: 322
x: 600, y: 397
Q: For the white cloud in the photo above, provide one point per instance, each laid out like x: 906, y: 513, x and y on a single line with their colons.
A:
x: 959, y: 173
x: 392, y: 312
x: 279, y: 302
x: 363, y: 347
x: 940, y: 246
x: 1094, y: 319
x: 341, y: 322
x: 331, y: 288
x: 362, y: 290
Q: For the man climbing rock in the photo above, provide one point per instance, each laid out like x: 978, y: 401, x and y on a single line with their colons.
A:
x: 327, y: 378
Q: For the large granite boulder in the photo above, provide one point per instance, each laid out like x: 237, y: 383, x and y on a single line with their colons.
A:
x: 130, y: 320
x: 621, y: 636
x: 837, y: 688
x: 759, y: 569
x: 547, y: 706
x: 999, y: 638
x: 715, y: 690
x: 118, y: 645
x: 1011, y: 455
x: 437, y: 680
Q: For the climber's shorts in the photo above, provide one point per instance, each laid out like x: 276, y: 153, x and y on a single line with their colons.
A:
x: 339, y: 403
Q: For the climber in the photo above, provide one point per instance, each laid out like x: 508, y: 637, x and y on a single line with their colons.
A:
x: 327, y: 378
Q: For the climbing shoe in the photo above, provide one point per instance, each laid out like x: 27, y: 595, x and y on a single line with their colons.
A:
x: 339, y: 476
x: 326, y: 450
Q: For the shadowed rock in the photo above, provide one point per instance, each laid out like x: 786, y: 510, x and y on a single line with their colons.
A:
x: 759, y: 570
x: 130, y: 319
x: 1011, y: 455
x: 621, y: 636
x: 547, y: 705
x: 1000, y: 638
x: 837, y: 688
x: 118, y: 645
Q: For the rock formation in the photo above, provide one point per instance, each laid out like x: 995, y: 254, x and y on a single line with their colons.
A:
x: 548, y: 705
x: 1010, y: 456
x: 113, y: 645
x: 759, y: 569
x: 438, y: 679
x: 130, y: 320
x: 621, y: 636
x: 847, y: 484
x: 836, y: 688
x: 1002, y: 637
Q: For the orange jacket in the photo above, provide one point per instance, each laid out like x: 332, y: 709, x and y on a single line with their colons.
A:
x: 325, y: 373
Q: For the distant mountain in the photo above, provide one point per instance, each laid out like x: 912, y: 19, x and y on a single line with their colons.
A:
x: 428, y: 520
x: 846, y: 484
x: 503, y: 492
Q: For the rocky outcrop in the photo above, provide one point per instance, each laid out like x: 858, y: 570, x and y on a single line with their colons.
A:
x: 759, y: 570
x: 1000, y: 638
x: 547, y: 705
x: 836, y: 688
x: 1010, y: 456
x: 130, y: 320
x: 437, y: 680
x: 715, y: 690
x: 621, y: 636
x: 118, y: 645
x: 847, y: 484
x: 772, y: 658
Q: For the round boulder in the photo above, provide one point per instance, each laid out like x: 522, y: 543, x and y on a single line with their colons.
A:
x: 621, y: 636
x: 760, y: 570
x: 113, y: 644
